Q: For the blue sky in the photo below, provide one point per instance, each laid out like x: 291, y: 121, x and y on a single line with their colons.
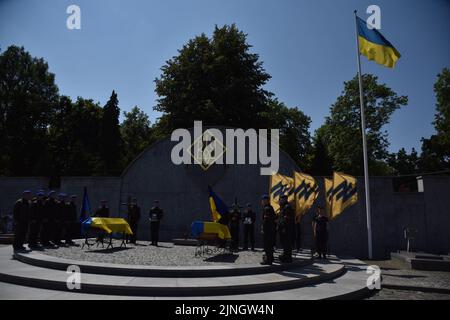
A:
x: 307, y: 46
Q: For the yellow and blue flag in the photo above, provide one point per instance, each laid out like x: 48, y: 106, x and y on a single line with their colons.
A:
x: 344, y: 193
x: 218, y: 207
x: 306, y: 191
x: 280, y: 185
x: 374, y: 46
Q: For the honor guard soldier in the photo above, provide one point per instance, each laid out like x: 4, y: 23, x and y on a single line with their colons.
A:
x: 50, y: 212
x: 268, y: 229
x: 21, y: 216
x: 103, y: 210
x: 298, y: 233
x: 249, y: 220
x: 71, y: 220
x: 155, y: 215
x: 37, y: 214
x: 286, y: 228
x: 59, y: 219
x: 320, y: 228
x: 235, y: 218
x: 134, y: 214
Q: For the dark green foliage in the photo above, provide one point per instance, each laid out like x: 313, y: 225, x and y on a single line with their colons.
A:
x: 342, y: 131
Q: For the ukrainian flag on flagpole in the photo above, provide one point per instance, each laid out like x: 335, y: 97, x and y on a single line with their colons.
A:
x: 218, y: 207
x: 374, y: 46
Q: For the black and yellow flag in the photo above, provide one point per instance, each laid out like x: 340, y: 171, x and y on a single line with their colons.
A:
x: 344, y: 193
x: 306, y: 191
x: 280, y: 185
x: 328, y: 195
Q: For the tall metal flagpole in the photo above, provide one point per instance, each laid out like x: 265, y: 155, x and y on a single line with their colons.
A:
x: 364, y: 141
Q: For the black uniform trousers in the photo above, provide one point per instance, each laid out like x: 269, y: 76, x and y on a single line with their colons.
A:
x: 268, y: 245
x: 154, y: 232
x: 321, y: 243
x: 20, y: 232
x: 35, y: 227
x: 249, y: 234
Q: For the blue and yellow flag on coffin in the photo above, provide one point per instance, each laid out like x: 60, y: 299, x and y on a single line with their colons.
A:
x: 306, y: 191
x: 328, y: 195
x: 344, y: 193
x: 218, y: 207
x: 280, y: 185
x: 374, y: 46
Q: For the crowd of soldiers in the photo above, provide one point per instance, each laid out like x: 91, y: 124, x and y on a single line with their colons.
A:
x: 49, y: 218
x: 287, y: 225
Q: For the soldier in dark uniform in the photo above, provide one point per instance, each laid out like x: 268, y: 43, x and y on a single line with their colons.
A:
x: 70, y: 221
x: 155, y: 215
x: 134, y: 214
x: 320, y: 228
x: 103, y: 210
x: 59, y: 219
x: 249, y: 220
x: 268, y: 229
x: 48, y: 227
x: 235, y: 218
x: 286, y: 228
x: 21, y: 216
x: 37, y: 214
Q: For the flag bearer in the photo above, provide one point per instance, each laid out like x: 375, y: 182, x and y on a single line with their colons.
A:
x: 320, y: 228
x: 286, y: 228
x: 268, y: 229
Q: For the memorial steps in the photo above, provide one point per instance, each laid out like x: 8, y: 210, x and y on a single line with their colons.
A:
x: 304, y: 279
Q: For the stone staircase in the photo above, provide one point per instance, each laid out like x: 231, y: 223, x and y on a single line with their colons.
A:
x: 304, y: 279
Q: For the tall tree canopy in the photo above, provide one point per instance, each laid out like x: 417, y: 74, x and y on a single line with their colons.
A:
x: 436, y: 149
x: 28, y: 95
x: 136, y: 133
x: 217, y: 80
x: 111, y: 145
x: 342, y: 130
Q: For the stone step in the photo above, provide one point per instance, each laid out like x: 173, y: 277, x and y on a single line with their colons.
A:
x: 16, y: 272
x: 38, y: 259
x: 351, y: 285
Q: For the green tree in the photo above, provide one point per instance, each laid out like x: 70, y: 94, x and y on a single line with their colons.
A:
x: 403, y: 163
x: 110, y: 139
x: 342, y: 130
x: 217, y: 80
x: 28, y: 94
x: 73, y: 138
x: 436, y: 149
x: 294, y: 129
x: 136, y: 133
x: 320, y: 163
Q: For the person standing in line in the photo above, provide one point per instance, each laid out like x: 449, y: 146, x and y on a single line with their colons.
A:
x: 249, y: 220
x: 50, y: 211
x: 268, y: 229
x: 235, y: 218
x: 155, y: 216
x: 70, y: 220
x: 286, y: 228
x: 320, y: 224
x: 21, y: 216
x: 134, y: 214
x: 36, y: 216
